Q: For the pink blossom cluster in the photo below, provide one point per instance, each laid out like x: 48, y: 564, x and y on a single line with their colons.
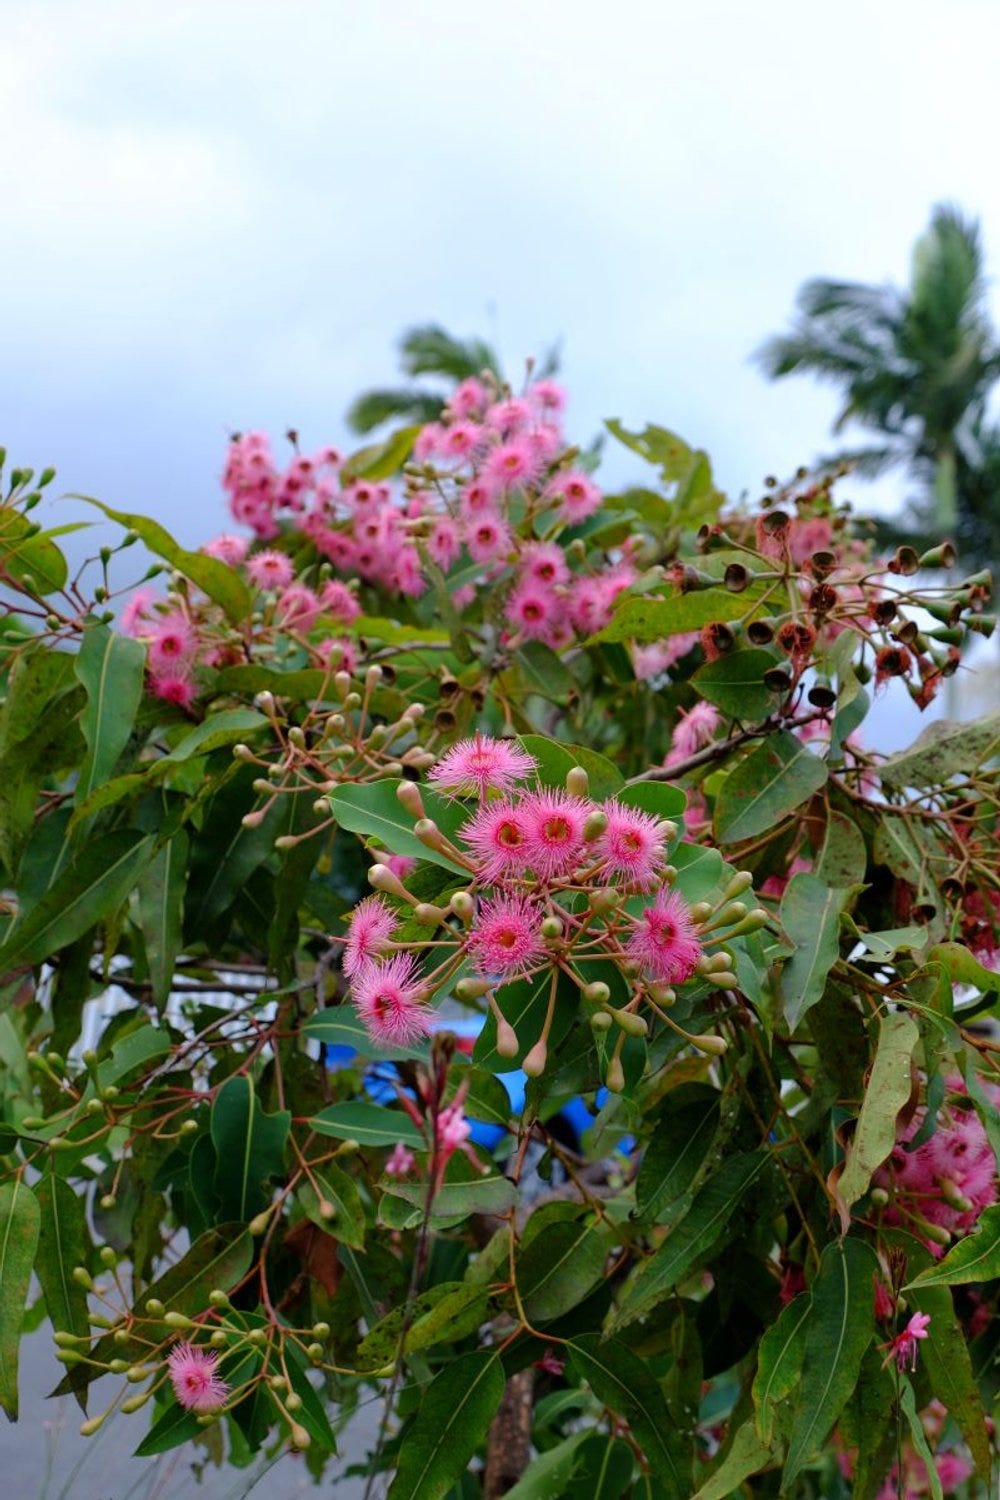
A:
x: 944, y: 1183
x: 556, y: 881
x: 487, y: 501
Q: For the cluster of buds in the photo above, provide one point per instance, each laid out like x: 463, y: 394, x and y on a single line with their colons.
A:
x: 559, y: 886
x: 938, y: 1188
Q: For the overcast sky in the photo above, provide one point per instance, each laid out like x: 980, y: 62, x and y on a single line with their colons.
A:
x: 220, y: 215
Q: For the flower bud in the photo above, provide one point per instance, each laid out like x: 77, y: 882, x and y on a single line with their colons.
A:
x: 92, y: 1424
x: 134, y: 1403
x: 177, y: 1320
x: 507, y: 1043
x: 601, y: 1021
x: 534, y: 1063
x: 663, y: 994
x: 614, y: 1078
x: 604, y: 900
x: 258, y: 1224
x: 596, y: 993
x: 551, y: 929
x: 715, y: 1046
x: 723, y: 980
x: 700, y: 911
x: 155, y: 1307
x: 300, y: 1438
x: 468, y: 988
x: 315, y: 1352
x: 242, y: 752
x: 629, y: 1022
x: 321, y: 1330
x: 879, y: 1197
x: 342, y: 684
x: 577, y: 781
x: 408, y: 796
x: 383, y: 879
x: 429, y: 914
x: 83, y: 1278
x: 373, y: 676
x: 464, y: 907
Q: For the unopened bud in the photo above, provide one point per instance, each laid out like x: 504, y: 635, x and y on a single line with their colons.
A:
x: 177, y: 1320
x: 108, y: 1256
x: 601, y: 1021
x: 135, y: 1403
x: 577, y: 781
x: 428, y: 832
x: 408, y: 796
x: 734, y: 912
x: 741, y: 881
x: 700, y: 911
x: 723, y: 979
x: 713, y: 1045
x: 242, y: 752
x: 373, y: 676
x: 258, y: 1224
x: 534, y: 1063
x: 663, y: 994
x: 604, y: 900
x: 614, y: 1078
x: 596, y: 993
x: 218, y: 1339
x: 629, y: 1022
x: 551, y: 929
x: 321, y: 1330
x: 342, y: 684
x: 429, y: 914
x: 253, y: 819
x: 83, y: 1278
x: 507, y: 1043
x: 315, y: 1352
x: 383, y: 879
x: 265, y: 702
x: 594, y: 825
x: 468, y: 988
x: 463, y: 905
x: 155, y: 1307
x: 300, y: 1438
x: 92, y: 1424
x: 666, y: 830
x: 879, y: 1197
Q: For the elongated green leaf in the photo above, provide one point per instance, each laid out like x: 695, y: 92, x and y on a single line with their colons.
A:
x: 692, y: 1240
x: 452, y: 1317
x: 340, y: 1193
x: 555, y: 759
x: 556, y: 1472
x: 381, y: 1344
x: 448, y: 1426
x: 840, y: 1327
x: 779, y: 1364
x: 944, y: 1354
x: 161, y: 911
x: 20, y: 1220
x: 671, y: 1161
x: 943, y: 750
x: 735, y: 683
x: 560, y: 1267
x: 226, y: 728
x: 381, y: 460
x: 62, y: 1244
x: 842, y: 858
x: 343, y: 1027
x: 216, y: 579
x: 373, y: 810
x: 976, y: 1258
x: 96, y: 882
x: 171, y: 1428
x: 368, y: 1124
x: 111, y: 668
x: 542, y: 672
x: 810, y: 915
x: 250, y: 1146
x: 864, y: 1424
x: 747, y: 1455
x: 888, y: 1089
x: 656, y: 797
x: 908, y: 1406
x: 456, y: 1201
x: 760, y: 791
x: 625, y: 1383
x: 645, y: 620
x: 607, y: 1464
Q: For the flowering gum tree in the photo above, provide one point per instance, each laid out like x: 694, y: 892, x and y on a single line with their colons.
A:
x: 461, y: 943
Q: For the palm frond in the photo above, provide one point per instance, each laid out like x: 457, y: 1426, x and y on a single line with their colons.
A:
x: 372, y: 408
x: 430, y: 350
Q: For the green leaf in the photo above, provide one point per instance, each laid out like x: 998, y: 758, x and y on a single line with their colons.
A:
x: 368, y: 1124
x: 228, y: 727
x: 96, y: 883
x: 675, y: 1154
x: 250, y: 1146
x: 810, y: 915
x: 554, y: 760
x: 171, y: 1428
x: 341, y: 1026
x: 607, y: 1467
x: 221, y: 583
x: 111, y: 668
x: 341, y: 1192
x: 160, y: 895
x: 779, y: 1364
x: 20, y: 1222
x: 842, y: 859
x: 761, y: 790
x: 864, y: 1424
x: 369, y: 627
x: 555, y: 1472
x: 456, y: 1201
x: 373, y: 810
x: 944, y: 1354
x: 692, y: 1240
x: 542, y: 671
x: 449, y: 1424
x: 943, y: 750
x: 62, y: 1244
x: 908, y: 1406
x: 975, y: 1258
x: 622, y: 1381
x: 453, y: 1317
x: 735, y: 683
x: 646, y: 620
x: 889, y: 1085
x: 840, y: 1327
x: 559, y: 1268
x: 27, y: 553
x: 381, y: 460
x: 747, y: 1455
x: 656, y: 797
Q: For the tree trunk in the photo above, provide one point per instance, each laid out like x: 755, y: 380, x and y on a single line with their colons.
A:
x: 509, y: 1448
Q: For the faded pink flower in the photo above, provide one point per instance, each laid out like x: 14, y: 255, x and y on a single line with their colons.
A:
x: 193, y: 1375
x: 298, y: 608
x: 664, y: 941
x: 270, y: 569
x: 692, y: 732
x: 554, y: 822
x: 548, y: 396
x: 513, y: 464
x: 400, y: 1161
x: 632, y: 845
x: 227, y: 548
x: 453, y: 1129
x: 468, y: 399
x: 505, y: 938
x: 390, y: 1001
x: 369, y: 933
x: 401, y: 865
x: 338, y: 601
x: 903, y: 1348
x: 135, y: 614
x: 444, y: 543
x: 480, y: 765
x: 509, y: 415
x: 173, y: 687
x: 496, y: 837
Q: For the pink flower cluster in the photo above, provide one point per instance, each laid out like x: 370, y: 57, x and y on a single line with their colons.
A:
x: 945, y: 1183
x: 555, y: 881
x: 496, y: 489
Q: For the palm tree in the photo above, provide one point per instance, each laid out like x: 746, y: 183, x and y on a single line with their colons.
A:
x: 430, y: 351
x: 916, y: 368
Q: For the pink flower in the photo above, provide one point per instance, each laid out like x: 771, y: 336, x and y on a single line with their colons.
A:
x: 389, y: 1000
x: 554, y: 822
x: 298, y: 607
x: 487, y: 537
x: 649, y: 661
x: 444, y: 543
x: 550, y: 1363
x: 400, y: 1161
x: 576, y: 495
x: 496, y: 836
x: 512, y: 465
x: 468, y: 399
x: 548, y: 396
x: 460, y: 440
x: 270, y: 570
x: 509, y: 415
x: 338, y: 601
x: 692, y: 732
x: 533, y: 608
x: 193, y: 1376
x: 664, y: 942
x: 543, y: 562
x: 135, y: 614
x: 173, y: 687
x: 903, y: 1348
x: 453, y: 1129
x: 408, y: 575
x: 480, y: 765
x: 632, y: 844
x: 227, y: 548
x: 506, y: 937
x: 401, y: 865
x: 171, y: 641
x: 369, y: 933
